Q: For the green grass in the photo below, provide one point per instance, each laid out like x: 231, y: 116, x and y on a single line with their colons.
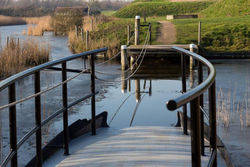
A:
x: 160, y: 8
x: 108, y: 12
x: 225, y: 8
x: 218, y: 34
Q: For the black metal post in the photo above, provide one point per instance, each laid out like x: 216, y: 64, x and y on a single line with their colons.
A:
x: 150, y: 35
x: 12, y: 124
x: 195, y: 132
x: 92, y: 71
x: 200, y: 80
x: 38, y: 121
x: 184, y: 89
x: 65, y: 113
x: 212, y: 120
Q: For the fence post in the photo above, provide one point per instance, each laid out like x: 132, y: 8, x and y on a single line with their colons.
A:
x: 212, y: 120
x: 12, y: 123
x: 128, y: 35
x: 200, y: 80
x: 124, y: 59
x: 195, y: 132
x: 38, y: 120
x: 87, y: 40
x: 191, y: 65
x: 184, y: 89
x: 137, y: 30
x: 92, y: 72
x: 65, y: 113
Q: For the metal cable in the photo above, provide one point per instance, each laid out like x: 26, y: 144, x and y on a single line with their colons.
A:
x: 41, y: 92
x: 146, y: 43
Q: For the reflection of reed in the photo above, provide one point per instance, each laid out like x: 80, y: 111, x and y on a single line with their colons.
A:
x: 232, y: 109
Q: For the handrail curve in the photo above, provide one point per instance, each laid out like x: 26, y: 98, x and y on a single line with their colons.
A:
x: 173, y: 104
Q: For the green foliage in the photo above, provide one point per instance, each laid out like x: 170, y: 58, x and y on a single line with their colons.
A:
x: 228, y: 8
x: 160, y: 8
x: 218, y: 34
x: 65, y: 20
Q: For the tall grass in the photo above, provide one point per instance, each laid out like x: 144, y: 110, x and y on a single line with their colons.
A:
x: 7, y: 20
x: 17, y: 56
x: 42, y: 24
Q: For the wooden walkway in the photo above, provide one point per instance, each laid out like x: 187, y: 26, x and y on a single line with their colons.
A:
x: 156, y: 50
x: 134, y: 146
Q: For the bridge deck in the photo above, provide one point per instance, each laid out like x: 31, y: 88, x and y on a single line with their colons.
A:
x: 134, y: 146
x: 155, y: 50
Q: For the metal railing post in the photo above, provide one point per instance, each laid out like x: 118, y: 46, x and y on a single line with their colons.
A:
x: 195, y: 132
x: 184, y: 89
x: 212, y: 120
x: 65, y: 113
x: 92, y: 71
x: 200, y: 80
x: 150, y: 35
x: 38, y: 120
x: 12, y: 123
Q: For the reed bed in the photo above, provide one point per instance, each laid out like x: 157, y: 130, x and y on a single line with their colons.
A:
x: 233, y: 108
x: 17, y: 56
x: 42, y: 24
x: 7, y: 20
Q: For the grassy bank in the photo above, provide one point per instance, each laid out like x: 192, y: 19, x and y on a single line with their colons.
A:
x: 111, y: 33
x: 160, y: 8
x: 227, y: 8
x: 16, y: 56
x: 218, y: 34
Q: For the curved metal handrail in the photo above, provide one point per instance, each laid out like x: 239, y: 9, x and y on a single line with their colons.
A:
x: 197, y: 91
x: 7, y: 82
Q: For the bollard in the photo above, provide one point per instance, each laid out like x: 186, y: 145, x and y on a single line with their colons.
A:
x: 137, y: 30
x: 124, y: 60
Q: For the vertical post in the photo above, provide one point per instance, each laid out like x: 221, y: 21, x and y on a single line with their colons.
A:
x: 184, y: 89
x: 38, y: 121
x: 12, y: 123
x: 92, y: 72
x: 150, y: 87
x: 65, y: 113
x: 87, y: 40
x: 124, y: 59
x: 132, y: 62
x: 128, y: 35
x: 82, y: 34
x: 199, y: 33
x: 200, y: 80
x: 137, y: 90
x: 212, y: 120
x: 137, y: 30
x: 150, y: 33
x: 76, y: 31
x: 195, y: 133
x: 191, y: 65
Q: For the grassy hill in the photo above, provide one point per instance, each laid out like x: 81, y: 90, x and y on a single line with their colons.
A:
x: 160, y: 8
x: 223, y: 8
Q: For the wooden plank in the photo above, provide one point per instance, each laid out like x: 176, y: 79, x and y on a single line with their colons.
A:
x: 134, y: 146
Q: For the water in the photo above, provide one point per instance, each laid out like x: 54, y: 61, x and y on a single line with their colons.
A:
x: 159, y: 81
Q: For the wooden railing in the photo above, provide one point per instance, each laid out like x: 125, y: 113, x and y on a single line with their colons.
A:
x: 195, y: 98
x: 10, y: 84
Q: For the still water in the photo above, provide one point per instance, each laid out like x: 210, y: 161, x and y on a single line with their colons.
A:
x: 139, y: 101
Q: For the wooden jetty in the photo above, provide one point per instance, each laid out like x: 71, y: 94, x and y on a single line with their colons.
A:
x: 133, y: 146
x: 157, y: 50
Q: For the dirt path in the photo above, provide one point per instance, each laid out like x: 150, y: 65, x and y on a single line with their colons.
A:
x: 166, y: 33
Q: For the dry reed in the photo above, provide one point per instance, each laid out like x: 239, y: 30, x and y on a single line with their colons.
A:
x: 16, y: 56
x: 43, y: 24
x: 7, y: 20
